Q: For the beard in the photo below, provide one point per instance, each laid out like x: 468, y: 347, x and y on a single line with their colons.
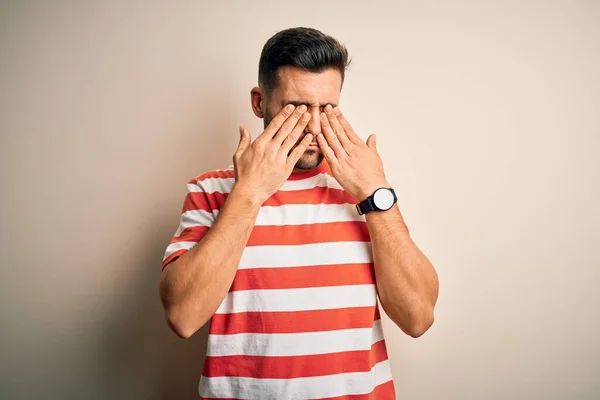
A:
x: 310, y: 159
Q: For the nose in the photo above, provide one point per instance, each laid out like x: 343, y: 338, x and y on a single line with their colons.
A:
x: 314, y: 125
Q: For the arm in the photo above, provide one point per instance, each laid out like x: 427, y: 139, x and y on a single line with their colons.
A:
x: 406, y: 281
x: 193, y: 286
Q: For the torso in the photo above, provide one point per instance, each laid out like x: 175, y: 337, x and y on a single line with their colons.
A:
x: 301, y: 319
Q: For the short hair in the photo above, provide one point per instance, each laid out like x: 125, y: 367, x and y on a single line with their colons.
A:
x: 305, y: 48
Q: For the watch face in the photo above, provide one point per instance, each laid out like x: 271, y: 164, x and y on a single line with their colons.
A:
x: 383, y: 199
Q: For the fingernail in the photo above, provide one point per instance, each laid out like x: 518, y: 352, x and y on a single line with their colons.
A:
x: 336, y: 111
x: 328, y: 108
x: 323, y: 117
x: 305, y: 117
x: 289, y: 107
x: 302, y: 108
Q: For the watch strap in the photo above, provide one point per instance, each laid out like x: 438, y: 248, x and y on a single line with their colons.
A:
x: 368, y: 204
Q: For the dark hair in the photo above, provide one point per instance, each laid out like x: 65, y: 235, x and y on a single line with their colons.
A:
x: 305, y: 48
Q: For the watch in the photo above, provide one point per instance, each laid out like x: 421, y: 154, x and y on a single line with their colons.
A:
x: 381, y: 200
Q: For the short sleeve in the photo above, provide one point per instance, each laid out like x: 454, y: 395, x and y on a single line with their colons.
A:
x: 197, y: 217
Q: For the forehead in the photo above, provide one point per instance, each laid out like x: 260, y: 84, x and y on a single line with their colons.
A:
x: 314, y: 88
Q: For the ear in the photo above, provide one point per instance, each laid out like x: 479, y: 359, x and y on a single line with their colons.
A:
x: 258, y: 101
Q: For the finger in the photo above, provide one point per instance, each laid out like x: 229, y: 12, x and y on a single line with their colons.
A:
x: 328, y: 152
x: 337, y: 128
x: 292, y: 139
x: 244, y: 139
x: 289, y: 124
x: 330, y: 136
x: 346, y: 125
x: 299, y: 150
x: 277, y: 122
x: 372, y: 142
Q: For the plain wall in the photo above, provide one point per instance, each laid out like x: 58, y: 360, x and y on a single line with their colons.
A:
x: 488, y: 122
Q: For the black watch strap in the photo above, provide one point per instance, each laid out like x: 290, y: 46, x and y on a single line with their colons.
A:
x: 366, y: 206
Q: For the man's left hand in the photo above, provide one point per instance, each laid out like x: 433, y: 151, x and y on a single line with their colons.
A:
x: 356, y: 165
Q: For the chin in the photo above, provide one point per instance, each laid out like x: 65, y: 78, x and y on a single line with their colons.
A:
x: 310, y: 160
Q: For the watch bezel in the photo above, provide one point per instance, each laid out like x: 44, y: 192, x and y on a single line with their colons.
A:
x: 374, y: 195
x: 368, y: 205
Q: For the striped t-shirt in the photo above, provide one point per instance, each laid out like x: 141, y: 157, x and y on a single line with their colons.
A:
x: 301, y: 319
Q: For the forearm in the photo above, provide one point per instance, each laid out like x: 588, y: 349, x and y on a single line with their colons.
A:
x: 406, y: 281
x: 193, y: 286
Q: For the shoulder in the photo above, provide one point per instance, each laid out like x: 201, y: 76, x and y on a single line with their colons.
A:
x: 218, y: 180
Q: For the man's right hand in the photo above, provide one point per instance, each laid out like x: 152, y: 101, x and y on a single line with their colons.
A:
x: 261, y: 167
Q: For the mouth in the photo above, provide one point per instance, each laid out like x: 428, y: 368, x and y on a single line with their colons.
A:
x: 314, y: 145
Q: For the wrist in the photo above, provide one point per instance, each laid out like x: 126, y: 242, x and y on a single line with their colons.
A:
x: 367, y: 190
x: 246, y: 196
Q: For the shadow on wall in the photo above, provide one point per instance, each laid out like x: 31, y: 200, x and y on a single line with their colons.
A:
x: 139, y: 357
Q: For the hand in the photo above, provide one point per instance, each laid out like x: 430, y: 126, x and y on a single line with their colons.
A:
x: 355, y: 165
x: 261, y: 167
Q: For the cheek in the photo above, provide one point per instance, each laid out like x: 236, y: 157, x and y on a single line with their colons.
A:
x: 273, y: 108
x: 274, y: 111
x: 270, y: 112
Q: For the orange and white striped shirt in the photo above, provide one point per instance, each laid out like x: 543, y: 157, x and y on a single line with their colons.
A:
x: 301, y: 319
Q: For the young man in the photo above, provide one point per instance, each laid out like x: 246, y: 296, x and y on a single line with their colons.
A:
x: 287, y: 252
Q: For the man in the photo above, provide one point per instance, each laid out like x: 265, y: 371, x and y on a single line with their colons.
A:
x: 276, y: 253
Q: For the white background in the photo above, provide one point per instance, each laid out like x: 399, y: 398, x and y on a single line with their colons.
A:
x: 488, y: 122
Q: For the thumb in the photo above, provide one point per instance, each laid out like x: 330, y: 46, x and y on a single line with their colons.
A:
x: 372, y: 142
x: 244, y: 139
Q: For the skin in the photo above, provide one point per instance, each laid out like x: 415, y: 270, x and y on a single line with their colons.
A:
x: 298, y: 87
x: 193, y: 286
x: 407, y: 282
